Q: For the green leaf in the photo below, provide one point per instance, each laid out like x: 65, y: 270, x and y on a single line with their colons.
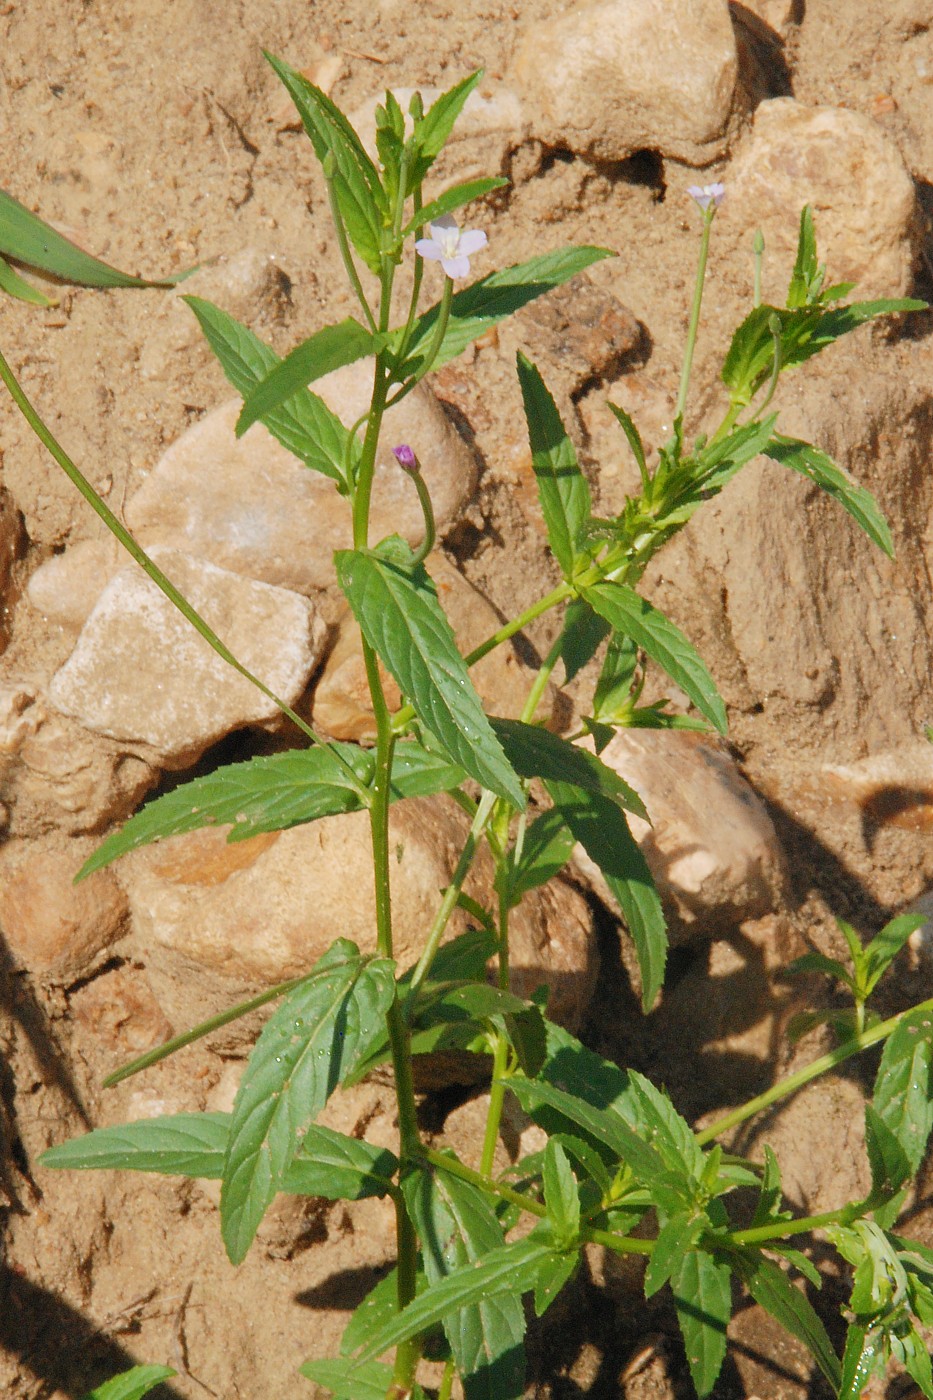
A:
x: 512, y: 1270
x: 889, y: 1164
x: 326, y: 350
x: 885, y: 946
x: 903, y: 1094
x: 304, y: 425
x: 807, y: 278
x: 600, y: 827
x: 676, y: 1238
x: 721, y: 461
x: 30, y: 240
x: 561, y: 1196
x: 599, y: 1123
x: 863, y: 1358
x: 562, y: 487
x: 538, y: 753
x: 910, y: 1349
x: 348, y: 1381
x: 318, y: 1034
x: 612, y: 696
x: 635, y: 617
x: 546, y: 849
x: 555, y: 1273
x: 458, y: 1227
x: 452, y: 199
x: 823, y: 471
x: 584, y: 631
x: 277, y: 792
x: 132, y: 1384
x: 703, y: 1300
x: 669, y: 1133
x: 768, y: 1205
x: 773, y: 1291
x: 16, y: 286
x: 634, y: 438
x: 357, y: 187
x: 400, y: 617
x: 379, y: 1307
x: 819, y: 962
x: 193, y: 1144
x: 490, y: 300
x: 432, y: 131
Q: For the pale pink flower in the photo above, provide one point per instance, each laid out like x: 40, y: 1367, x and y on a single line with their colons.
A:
x: 705, y: 195
x: 451, y: 248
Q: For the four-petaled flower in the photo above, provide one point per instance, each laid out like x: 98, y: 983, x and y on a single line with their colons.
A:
x: 451, y: 248
x: 705, y: 195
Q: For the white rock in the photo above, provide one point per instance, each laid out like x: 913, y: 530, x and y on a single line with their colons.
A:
x: 141, y: 674
x: 248, y: 505
x: 712, y: 847
x: 66, y: 587
x: 210, y: 917
x: 609, y: 79
x: 845, y: 166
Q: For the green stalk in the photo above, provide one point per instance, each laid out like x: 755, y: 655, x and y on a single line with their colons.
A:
x: 501, y: 1056
x: 440, y: 330
x: 343, y: 246
x: 786, y: 1229
x: 800, y: 1077
x: 708, y: 215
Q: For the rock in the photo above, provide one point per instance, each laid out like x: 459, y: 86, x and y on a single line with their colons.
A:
x: 581, y: 334
x: 212, y: 918
x: 341, y: 696
x: 52, y: 927
x: 893, y: 787
x: 250, y: 506
x: 777, y: 14
x: 712, y: 848
x: 850, y: 171
x: 66, y: 587
x: 118, y: 1010
x: 610, y: 79
x: 56, y: 775
x: 141, y: 674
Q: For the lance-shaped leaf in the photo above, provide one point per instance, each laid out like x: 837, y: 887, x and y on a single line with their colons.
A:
x: 584, y: 632
x: 603, y: 1125
x: 317, y: 1036
x: 490, y: 300
x: 537, y: 753
x: 773, y: 1290
x: 703, y: 1300
x: 457, y: 1226
x: 546, y: 849
x: 348, y: 1381
x: 890, y: 1167
x: 627, y: 612
x: 400, y: 617
x: 326, y: 350
x: 822, y: 470
x: 600, y: 827
x: 677, y: 1237
x: 277, y: 792
x: 432, y: 131
x: 30, y: 240
x: 903, y: 1093
x: 562, y: 487
x: 132, y: 1384
x: 452, y: 199
x: 16, y: 286
x: 304, y: 425
x: 357, y: 187
x: 513, y: 1269
x: 194, y: 1144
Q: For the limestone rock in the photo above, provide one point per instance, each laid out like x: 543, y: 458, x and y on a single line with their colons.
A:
x: 250, y: 506
x: 66, y: 587
x: 712, y: 848
x: 341, y: 697
x: 850, y: 171
x: 141, y: 674
x: 55, y: 774
x: 628, y: 75
x: 211, y: 918
x: 118, y: 1010
x: 52, y: 927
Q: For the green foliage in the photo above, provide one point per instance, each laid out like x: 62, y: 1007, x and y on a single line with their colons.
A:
x: 132, y: 1384
x: 620, y: 1165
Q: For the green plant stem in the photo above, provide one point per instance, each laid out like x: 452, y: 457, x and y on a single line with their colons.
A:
x: 447, y: 1380
x: 437, y: 340
x: 501, y: 1055
x: 452, y: 892
x: 783, y: 1230
x: 694, y: 324
x: 800, y: 1077
x: 427, y: 510
x: 620, y: 1244
x: 539, y: 684
x: 164, y: 584
x: 408, y: 1353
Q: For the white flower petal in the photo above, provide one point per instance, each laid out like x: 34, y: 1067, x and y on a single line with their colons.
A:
x: 471, y: 241
x: 456, y: 267
x: 429, y: 249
